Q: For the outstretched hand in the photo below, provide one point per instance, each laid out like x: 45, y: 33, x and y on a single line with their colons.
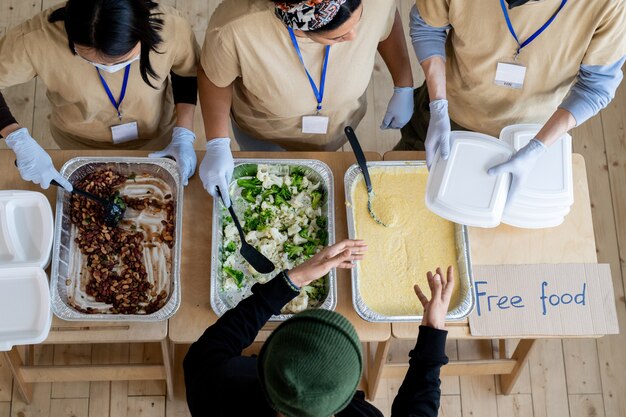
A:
x: 436, y: 308
x: 339, y: 255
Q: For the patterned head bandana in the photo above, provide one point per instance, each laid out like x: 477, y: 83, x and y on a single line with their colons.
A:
x: 307, y: 15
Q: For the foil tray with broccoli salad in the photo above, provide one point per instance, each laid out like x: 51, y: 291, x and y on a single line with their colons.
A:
x: 286, y: 210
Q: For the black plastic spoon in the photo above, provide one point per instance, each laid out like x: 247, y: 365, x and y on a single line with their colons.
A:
x: 255, y: 258
x: 360, y: 158
x: 113, y: 212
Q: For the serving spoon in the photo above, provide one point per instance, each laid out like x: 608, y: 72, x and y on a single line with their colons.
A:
x: 360, y: 158
x: 255, y: 258
x: 113, y: 212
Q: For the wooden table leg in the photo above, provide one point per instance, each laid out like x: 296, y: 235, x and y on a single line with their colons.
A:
x: 14, y: 361
x: 523, y: 349
x: 375, y: 369
x: 167, y: 362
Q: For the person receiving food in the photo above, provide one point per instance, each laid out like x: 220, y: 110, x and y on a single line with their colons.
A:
x: 291, y: 75
x: 107, y: 66
x: 489, y: 64
x: 311, y: 365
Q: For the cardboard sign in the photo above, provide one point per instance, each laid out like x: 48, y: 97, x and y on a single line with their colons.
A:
x: 533, y: 300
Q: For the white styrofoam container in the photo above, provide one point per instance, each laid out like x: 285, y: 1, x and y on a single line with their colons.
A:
x: 551, y: 181
x: 460, y: 189
x: 26, y: 233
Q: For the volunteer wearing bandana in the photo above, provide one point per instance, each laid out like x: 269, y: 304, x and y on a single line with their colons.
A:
x: 107, y: 66
x: 292, y: 75
x: 493, y: 63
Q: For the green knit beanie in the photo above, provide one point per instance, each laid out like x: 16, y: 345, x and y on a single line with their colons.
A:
x: 311, y: 365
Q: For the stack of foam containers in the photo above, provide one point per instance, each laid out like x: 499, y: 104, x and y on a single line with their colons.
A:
x: 26, y: 232
x: 461, y: 191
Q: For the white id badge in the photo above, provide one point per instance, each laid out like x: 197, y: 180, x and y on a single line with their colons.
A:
x: 511, y: 75
x: 315, y: 124
x: 125, y: 132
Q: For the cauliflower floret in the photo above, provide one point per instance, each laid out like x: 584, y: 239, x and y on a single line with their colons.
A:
x: 298, y: 304
x: 299, y: 240
x: 298, y: 201
x: 277, y: 236
x: 229, y: 285
x: 230, y: 261
x: 287, y: 180
x: 311, y: 213
x: 230, y: 231
x: 268, y: 248
x: 252, y: 237
x: 305, y: 182
x: 293, y: 230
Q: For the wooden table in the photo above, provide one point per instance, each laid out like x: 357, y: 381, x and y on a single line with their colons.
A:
x: 65, y: 332
x: 571, y: 242
x: 195, y: 313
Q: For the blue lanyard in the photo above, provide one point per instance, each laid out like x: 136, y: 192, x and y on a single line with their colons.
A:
x: 116, y: 104
x: 319, y: 93
x: 534, y: 35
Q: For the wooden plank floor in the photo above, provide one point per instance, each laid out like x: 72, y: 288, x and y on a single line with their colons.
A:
x: 563, y: 378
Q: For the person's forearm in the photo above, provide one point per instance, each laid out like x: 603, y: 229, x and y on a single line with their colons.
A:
x: 394, y: 52
x: 215, y: 103
x: 8, y: 124
x: 185, y: 115
x: 435, y: 74
x: 560, y: 123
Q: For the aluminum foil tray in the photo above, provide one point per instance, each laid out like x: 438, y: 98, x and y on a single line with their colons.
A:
x: 222, y: 301
x: 464, y: 274
x: 76, y: 169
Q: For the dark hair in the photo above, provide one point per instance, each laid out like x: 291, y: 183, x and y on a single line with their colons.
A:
x: 345, y: 12
x: 113, y: 27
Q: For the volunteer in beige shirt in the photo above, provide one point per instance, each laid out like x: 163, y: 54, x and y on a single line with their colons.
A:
x: 108, y: 66
x: 292, y: 75
x: 492, y: 63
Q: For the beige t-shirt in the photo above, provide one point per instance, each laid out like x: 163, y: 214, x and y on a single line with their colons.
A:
x: 248, y: 46
x: 81, y: 109
x: 583, y: 33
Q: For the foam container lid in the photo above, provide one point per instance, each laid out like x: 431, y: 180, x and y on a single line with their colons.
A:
x: 460, y: 189
x: 26, y: 233
x: 551, y: 181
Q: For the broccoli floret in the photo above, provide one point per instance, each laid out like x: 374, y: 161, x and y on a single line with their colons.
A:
x: 236, y: 275
x: 310, y: 248
x: 231, y: 247
x: 249, y: 195
x: 296, y: 178
x: 322, y: 237
x: 316, y: 199
x: 250, y: 183
x: 304, y: 233
x: 322, y: 222
x: 311, y: 291
x: 293, y: 251
x: 266, y: 217
x: 283, y: 196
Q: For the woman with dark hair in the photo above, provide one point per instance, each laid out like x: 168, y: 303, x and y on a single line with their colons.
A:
x: 291, y: 75
x: 107, y: 66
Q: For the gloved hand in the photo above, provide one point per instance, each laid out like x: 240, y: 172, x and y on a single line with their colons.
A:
x: 181, y: 149
x: 438, y: 134
x: 400, y: 108
x: 520, y: 165
x: 216, y: 169
x: 33, y: 162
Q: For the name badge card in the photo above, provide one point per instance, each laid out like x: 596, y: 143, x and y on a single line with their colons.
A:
x: 125, y: 132
x: 510, y: 75
x: 315, y: 124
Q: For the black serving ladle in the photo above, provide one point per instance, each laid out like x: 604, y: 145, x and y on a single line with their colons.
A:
x: 113, y: 212
x: 360, y: 158
x: 255, y: 258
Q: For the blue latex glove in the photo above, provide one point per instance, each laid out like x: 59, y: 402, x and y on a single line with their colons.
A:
x: 438, y: 134
x: 520, y: 165
x: 33, y: 162
x: 400, y: 108
x: 181, y: 149
x: 216, y: 169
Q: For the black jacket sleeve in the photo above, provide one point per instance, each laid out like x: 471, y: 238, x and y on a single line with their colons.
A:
x: 232, y: 333
x: 419, y: 394
x: 6, y: 118
x: 184, y: 89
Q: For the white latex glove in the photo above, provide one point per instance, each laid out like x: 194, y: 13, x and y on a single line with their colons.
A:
x: 399, y: 109
x: 181, y: 149
x: 216, y: 169
x: 520, y: 165
x: 438, y: 134
x: 33, y: 162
